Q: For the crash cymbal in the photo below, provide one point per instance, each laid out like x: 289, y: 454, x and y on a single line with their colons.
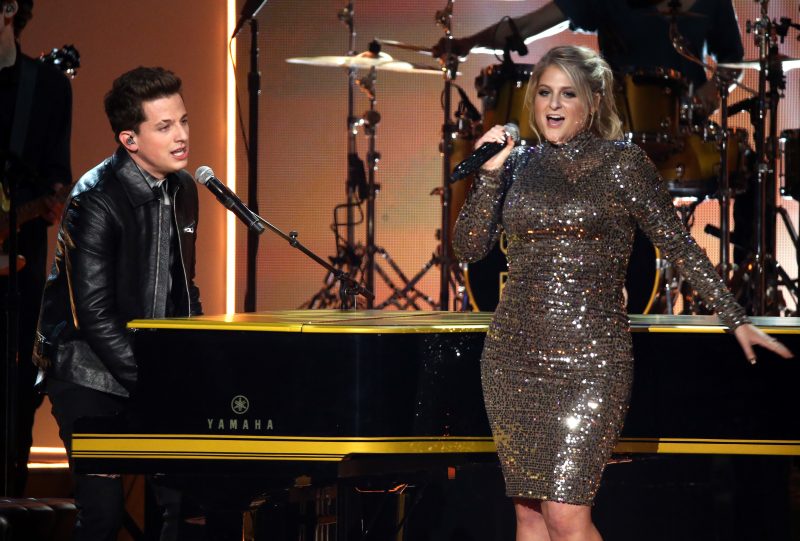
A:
x: 787, y: 63
x: 366, y: 60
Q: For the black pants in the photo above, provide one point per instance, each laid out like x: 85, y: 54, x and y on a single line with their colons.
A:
x: 33, y: 244
x: 100, y: 500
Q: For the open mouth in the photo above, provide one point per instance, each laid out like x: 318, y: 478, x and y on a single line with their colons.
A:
x: 180, y: 153
x: 555, y: 121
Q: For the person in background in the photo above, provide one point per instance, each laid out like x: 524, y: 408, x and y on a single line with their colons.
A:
x: 35, y: 149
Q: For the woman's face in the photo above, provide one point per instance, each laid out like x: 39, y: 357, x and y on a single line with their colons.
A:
x: 558, y: 111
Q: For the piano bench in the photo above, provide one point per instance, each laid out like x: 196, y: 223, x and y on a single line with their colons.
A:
x: 28, y: 519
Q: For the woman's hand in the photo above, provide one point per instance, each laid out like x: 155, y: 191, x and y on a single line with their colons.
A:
x: 748, y: 336
x: 496, y: 135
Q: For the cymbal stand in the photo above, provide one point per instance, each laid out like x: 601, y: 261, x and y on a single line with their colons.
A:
x: 408, y: 295
x: 450, y: 272
x: 348, y: 254
x: 451, y: 278
x: 723, y: 81
x: 765, y: 289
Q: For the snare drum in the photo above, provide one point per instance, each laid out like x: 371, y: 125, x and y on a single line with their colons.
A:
x: 502, y: 90
x: 649, y: 103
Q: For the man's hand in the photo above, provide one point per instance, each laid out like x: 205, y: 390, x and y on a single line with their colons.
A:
x: 460, y: 47
x: 708, y: 97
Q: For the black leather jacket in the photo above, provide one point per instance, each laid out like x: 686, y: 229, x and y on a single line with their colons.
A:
x: 104, y: 274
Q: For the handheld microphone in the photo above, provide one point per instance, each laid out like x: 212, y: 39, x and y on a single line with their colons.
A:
x: 474, y: 161
x: 205, y: 176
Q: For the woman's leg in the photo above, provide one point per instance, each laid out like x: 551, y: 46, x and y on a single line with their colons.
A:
x: 567, y: 522
x: 530, y: 522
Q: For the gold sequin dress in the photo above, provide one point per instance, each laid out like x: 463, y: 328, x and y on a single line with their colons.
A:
x: 557, y: 364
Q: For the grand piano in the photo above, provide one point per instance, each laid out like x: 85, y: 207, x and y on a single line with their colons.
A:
x: 376, y: 399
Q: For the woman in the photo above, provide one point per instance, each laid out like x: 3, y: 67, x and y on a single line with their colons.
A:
x: 557, y: 364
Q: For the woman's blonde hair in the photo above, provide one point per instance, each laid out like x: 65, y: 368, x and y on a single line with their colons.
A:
x: 591, y: 76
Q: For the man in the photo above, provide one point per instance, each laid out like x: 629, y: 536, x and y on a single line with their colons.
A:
x: 35, y: 119
x: 126, y: 250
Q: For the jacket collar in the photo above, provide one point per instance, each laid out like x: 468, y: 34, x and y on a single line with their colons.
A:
x: 133, y: 182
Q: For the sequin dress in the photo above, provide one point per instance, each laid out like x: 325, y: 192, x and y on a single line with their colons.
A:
x: 557, y: 363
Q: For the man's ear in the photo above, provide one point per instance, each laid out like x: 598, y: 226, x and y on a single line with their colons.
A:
x: 10, y: 9
x: 127, y: 138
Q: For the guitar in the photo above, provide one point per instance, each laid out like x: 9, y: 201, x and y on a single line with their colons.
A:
x: 68, y: 60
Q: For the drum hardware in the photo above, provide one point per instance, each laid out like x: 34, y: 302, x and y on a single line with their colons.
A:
x: 348, y: 256
x: 360, y: 260
x: 771, y: 84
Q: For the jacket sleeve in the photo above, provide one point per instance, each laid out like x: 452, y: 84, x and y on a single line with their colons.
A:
x: 91, y: 237
x: 645, y: 195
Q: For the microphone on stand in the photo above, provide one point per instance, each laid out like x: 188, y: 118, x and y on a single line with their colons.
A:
x: 205, y: 176
x: 474, y: 161
x: 249, y: 10
x: 515, y: 41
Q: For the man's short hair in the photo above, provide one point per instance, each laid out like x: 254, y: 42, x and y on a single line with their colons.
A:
x: 130, y: 90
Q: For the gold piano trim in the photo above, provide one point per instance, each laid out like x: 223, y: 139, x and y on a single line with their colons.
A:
x: 395, y: 322
x: 221, y: 447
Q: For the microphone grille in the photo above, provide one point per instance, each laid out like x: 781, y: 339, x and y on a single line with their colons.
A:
x: 513, y: 131
x: 203, y: 174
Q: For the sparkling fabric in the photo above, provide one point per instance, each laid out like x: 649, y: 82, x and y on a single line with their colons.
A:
x: 557, y: 363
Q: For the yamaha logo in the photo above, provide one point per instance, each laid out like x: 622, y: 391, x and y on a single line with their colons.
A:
x: 240, y: 404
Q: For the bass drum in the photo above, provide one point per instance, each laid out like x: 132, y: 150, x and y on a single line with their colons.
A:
x: 644, y: 282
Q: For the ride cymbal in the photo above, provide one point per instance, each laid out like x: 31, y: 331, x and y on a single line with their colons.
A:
x: 366, y: 60
x: 787, y: 63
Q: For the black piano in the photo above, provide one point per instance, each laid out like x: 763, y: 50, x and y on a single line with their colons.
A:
x: 376, y: 399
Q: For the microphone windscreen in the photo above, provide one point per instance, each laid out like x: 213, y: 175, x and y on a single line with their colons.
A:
x: 203, y: 174
x: 513, y: 131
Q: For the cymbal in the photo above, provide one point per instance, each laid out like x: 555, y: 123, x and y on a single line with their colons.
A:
x: 366, y: 60
x: 787, y: 63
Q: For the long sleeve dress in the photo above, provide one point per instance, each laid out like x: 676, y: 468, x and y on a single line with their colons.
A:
x: 557, y: 364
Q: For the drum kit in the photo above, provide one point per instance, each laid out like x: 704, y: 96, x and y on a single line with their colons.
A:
x: 697, y: 158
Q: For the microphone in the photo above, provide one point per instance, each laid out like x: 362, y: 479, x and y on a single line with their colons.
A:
x: 474, y: 161
x: 249, y: 10
x: 205, y: 176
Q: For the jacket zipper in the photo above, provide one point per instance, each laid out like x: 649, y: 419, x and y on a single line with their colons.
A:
x: 158, y: 258
x: 180, y: 251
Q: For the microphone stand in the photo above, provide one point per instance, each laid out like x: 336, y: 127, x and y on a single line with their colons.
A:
x: 349, y: 288
x: 450, y: 69
x: 254, y: 89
